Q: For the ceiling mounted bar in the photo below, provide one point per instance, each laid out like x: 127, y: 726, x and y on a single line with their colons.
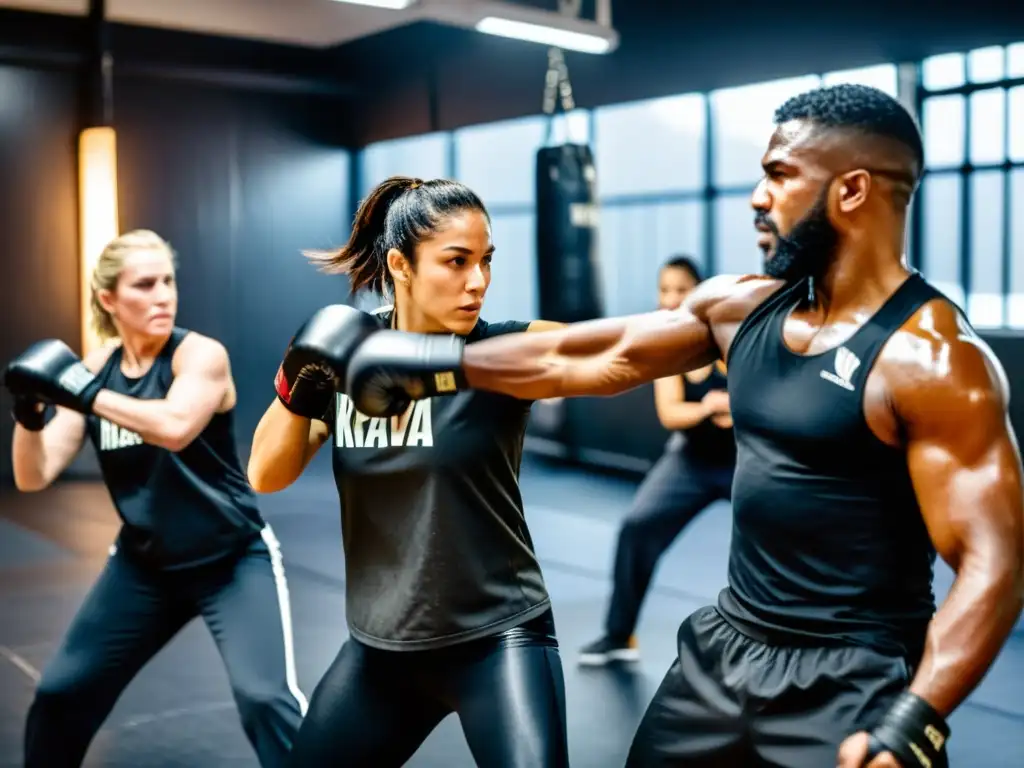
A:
x: 551, y: 28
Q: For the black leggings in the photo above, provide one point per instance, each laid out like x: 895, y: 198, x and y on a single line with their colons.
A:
x: 132, y: 612
x: 375, y: 708
x: 677, y: 489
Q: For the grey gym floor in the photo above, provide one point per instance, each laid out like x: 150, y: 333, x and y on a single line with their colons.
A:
x: 179, y: 712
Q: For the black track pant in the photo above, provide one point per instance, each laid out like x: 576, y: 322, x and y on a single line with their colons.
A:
x: 675, y: 491
x: 375, y: 708
x: 729, y: 701
x: 132, y: 612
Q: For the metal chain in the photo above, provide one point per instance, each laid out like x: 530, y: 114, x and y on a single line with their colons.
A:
x: 556, y: 81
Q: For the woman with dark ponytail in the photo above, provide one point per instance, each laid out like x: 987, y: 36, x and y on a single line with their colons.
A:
x: 446, y: 604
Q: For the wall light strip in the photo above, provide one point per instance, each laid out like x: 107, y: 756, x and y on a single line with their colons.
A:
x: 97, y: 213
x: 394, y: 5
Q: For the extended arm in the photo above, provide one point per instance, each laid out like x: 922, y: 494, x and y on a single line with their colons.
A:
x: 607, y: 356
x: 202, y: 379
x: 966, y: 468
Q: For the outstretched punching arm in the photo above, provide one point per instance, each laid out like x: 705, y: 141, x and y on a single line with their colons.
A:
x: 609, y: 356
x: 597, y: 357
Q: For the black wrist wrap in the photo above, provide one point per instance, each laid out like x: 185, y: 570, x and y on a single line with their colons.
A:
x: 913, y: 731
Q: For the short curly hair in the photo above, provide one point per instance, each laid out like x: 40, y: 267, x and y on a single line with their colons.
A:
x: 859, y: 108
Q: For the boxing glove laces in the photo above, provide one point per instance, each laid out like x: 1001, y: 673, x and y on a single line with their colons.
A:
x: 315, y: 363
x: 51, y: 372
x: 392, y: 368
x: 913, y: 731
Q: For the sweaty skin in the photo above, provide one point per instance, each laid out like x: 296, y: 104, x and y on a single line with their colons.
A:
x: 936, y: 390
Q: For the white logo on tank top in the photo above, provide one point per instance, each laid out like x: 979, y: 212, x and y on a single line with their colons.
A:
x: 846, y: 364
x: 353, y: 429
x: 113, y: 437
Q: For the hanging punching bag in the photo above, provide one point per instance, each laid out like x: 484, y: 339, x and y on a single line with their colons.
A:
x: 567, y: 260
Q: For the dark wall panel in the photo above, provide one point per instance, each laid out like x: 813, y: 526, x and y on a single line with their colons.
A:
x: 236, y: 184
x: 38, y: 218
x: 240, y: 182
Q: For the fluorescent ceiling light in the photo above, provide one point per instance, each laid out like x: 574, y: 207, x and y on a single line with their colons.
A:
x: 545, y: 35
x: 395, y: 5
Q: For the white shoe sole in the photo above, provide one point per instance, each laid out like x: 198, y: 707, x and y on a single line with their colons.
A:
x: 600, y: 659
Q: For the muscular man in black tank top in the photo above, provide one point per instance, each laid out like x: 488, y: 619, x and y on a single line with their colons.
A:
x: 446, y: 604
x: 695, y: 470
x: 158, y: 406
x: 872, y: 431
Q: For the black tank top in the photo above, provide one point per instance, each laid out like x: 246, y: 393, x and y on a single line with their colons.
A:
x: 828, y: 540
x: 705, y: 441
x: 437, y: 550
x: 179, y: 509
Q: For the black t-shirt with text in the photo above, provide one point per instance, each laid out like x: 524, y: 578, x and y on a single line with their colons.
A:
x: 437, y: 550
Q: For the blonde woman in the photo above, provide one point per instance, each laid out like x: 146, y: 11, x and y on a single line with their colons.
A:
x: 157, y: 402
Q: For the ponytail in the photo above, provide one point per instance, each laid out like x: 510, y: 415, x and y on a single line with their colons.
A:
x: 364, y: 257
x: 398, y: 214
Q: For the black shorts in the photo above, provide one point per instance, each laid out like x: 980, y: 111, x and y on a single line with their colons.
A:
x: 731, y: 701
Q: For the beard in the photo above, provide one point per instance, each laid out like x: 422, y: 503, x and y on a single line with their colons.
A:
x: 808, y: 248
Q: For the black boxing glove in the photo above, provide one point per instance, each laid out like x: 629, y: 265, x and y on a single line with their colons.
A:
x: 315, y: 364
x: 913, y: 731
x: 392, y: 368
x: 51, y: 372
x: 30, y: 412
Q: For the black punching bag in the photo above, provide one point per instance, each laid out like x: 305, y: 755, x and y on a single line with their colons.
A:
x: 567, y: 262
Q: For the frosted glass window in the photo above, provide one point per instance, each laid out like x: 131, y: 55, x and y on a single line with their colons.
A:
x: 425, y: 157
x: 988, y: 126
x: 635, y: 241
x: 943, y: 71
x: 882, y: 76
x: 736, y: 250
x: 651, y: 146
x: 940, y: 234
x: 743, y: 120
x: 943, y: 131
x: 985, y: 304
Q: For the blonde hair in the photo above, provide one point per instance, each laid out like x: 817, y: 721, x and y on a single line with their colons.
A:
x: 108, y: 270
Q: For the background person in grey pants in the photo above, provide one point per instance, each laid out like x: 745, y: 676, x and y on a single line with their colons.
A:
x: 695, y: 470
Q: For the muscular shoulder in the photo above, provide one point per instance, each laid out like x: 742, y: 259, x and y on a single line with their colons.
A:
x: 730, y: 298
x: 937, y: 369
x: 200, y: 353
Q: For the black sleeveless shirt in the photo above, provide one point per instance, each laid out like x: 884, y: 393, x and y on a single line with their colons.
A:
x: 828, y: 541
x: 437, y: 550
x: 179, y: 509
x: 705, y: 441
